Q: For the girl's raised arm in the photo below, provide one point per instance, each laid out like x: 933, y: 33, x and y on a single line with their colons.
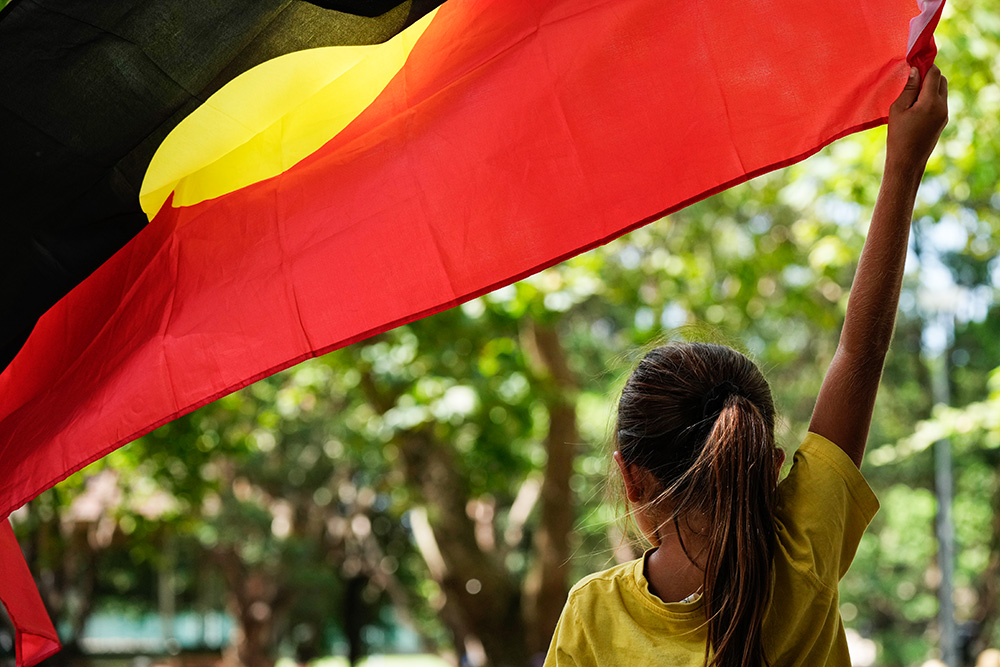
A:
x: 843, y: 410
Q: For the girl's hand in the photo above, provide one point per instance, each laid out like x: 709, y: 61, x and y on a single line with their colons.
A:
x: 916, y: 119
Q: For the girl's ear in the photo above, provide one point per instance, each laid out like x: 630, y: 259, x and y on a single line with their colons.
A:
x: 629, y: 477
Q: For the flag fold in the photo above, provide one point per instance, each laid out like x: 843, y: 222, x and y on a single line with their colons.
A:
x: 35, y: 639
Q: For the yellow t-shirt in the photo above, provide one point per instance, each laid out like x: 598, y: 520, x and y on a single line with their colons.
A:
x: 824, y: 505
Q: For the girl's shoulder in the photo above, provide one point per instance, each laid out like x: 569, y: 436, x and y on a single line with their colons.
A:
x: 612, y: 576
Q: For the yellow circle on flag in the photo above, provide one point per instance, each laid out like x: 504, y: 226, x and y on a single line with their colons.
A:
x: 271, y: 117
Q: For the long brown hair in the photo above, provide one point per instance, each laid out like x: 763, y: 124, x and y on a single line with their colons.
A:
x: 700, y: 418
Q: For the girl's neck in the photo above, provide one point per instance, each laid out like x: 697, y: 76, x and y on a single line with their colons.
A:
x: 671, y: 574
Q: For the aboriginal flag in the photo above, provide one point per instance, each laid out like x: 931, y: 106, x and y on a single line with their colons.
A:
x: 308, y: 185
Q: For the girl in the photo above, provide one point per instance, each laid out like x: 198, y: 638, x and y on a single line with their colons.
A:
x: 744, y: 569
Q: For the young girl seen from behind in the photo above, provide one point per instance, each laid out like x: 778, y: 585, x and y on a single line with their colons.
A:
x: 743, y: 570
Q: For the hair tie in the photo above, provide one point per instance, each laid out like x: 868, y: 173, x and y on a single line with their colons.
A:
x: 715, y: 399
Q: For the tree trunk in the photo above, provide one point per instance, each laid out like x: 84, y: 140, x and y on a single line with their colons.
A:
x: 481, y: 601
x: 547, y: 585
x: 475, y: 581
x: 252, y: 602
x: 354, y: 619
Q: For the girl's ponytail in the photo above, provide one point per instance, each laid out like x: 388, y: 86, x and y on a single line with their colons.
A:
x: 700, y: 418
x: 741, y: 461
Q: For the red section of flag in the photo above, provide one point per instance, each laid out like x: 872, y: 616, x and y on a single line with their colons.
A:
x: 518, y: 134
x: 36, y: 638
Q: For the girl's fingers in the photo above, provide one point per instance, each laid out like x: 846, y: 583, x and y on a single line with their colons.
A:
x: 931, y: 86
x: 909, y: 93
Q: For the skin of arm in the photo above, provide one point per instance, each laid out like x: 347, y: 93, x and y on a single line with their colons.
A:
x: 846, y: 399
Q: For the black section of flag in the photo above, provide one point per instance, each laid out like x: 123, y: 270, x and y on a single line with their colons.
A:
x: 89, y: 89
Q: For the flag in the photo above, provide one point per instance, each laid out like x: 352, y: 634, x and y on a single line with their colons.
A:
x: 330, y: 194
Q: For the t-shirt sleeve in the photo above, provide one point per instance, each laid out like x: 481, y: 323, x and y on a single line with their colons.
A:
x: 565, y: 640
x: 824, y: 506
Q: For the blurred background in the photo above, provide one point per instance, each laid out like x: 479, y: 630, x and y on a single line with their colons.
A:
x: 428, y: 496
